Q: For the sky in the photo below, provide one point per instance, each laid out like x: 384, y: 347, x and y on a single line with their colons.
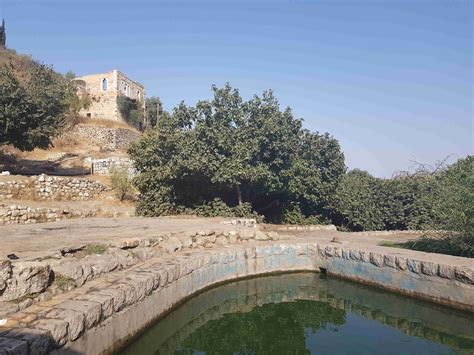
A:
x: 392, y: 80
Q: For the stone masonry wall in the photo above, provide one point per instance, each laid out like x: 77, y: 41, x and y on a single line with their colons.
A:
x: 109, y: 139
x: 45, y: 187
x: 108, y: 165
x: 14, y: 214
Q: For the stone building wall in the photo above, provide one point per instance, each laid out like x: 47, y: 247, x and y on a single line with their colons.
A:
x: 45, y: 187
x: 109, y: 139
x: 104, y: 89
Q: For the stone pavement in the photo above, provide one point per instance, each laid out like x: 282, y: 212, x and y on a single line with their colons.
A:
x: 39, y: 240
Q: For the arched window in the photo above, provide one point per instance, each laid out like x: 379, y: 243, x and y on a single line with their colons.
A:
x: 139, y: 97
x: 105, y: 84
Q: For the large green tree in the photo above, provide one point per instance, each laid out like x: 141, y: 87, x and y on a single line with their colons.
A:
x: 242, y: 152
x: 33, y: 106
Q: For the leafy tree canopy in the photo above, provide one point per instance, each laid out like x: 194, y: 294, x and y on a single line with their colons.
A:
x: 33, y: 105
x: 240, y: 152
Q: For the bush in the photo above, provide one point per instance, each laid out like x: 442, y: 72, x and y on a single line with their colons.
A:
x: 292, y: 214
x: 131, y: 111
x: 451, y: 244
x: 121, y: 184
x: 218, y: 208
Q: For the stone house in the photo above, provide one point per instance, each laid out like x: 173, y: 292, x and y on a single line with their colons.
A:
x: 104, y: 89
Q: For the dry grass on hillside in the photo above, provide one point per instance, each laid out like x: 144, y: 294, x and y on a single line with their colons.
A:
x: 103, y: 123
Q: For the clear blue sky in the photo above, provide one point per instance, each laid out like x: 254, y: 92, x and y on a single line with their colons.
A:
x: 392, y: 80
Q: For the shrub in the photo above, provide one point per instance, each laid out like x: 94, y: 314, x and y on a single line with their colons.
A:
x: 121, y: 184
x: 292, y: 214
x: 131, y: 111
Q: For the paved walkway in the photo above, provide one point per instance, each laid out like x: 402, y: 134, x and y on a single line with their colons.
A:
x: 37, y: 240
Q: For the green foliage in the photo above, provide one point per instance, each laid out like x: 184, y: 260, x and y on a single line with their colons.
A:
x: 32, y: 107
x: 121, y: 184
x: 440, y: 202
x: 3, y: 35
x: 76, y: 98
x: 451, y: 229
x: 154, y: 110
x: 356, y: 203
x: 94, y: 249
x: 238, y: 151
x: 131, y: 111
x: 292, y: 214
x: 217, y: 207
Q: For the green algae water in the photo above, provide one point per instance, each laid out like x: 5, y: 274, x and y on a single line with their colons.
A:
x: 306, y: 313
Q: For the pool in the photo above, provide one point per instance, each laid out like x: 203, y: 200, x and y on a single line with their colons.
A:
x: 305, y: 313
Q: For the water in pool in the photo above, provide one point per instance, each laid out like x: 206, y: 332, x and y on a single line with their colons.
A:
x: 306, y: 313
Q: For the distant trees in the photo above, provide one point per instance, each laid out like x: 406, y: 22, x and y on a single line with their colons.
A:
x: 33, y: 105
x: 244, y: 153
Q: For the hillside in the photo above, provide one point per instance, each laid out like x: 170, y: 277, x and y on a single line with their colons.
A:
x: 66, y: 156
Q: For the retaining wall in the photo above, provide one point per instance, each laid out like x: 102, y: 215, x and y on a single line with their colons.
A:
x: 14, y: 214
x: 107, y: 166
x: 109, y: 139
x: 43, y: 187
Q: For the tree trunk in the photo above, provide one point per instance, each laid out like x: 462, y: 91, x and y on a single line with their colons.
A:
x: 239, y: 193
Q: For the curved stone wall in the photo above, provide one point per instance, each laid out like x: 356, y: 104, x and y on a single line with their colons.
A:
x: 105, y: 312
x: 244, y: 296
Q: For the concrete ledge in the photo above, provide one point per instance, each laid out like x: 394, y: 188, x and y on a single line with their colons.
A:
x: 105, y: 312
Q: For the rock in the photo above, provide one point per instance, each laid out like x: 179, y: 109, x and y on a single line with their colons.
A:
x: 118, y: 297
x: 13, y: 346
x: 74, y: 319
x: 221, y: 240
x: 354, y: 254
x: 414, y: 266
x: 446, y: 271
x: 39, y: 341
x: 8, y: 308
x: 390, y: 261
x: 464, y: 275
x: 429, y: 268
x: 329, y: 250
x: 57, y: 328
x: 273, y: 235
x: 401, y: 263
x: 171, y: 245
x: 27, y: 278
x: 92, y: 311
x: 106, y: 302
x: 259, y: 235
x: 364, y: 256
x: 232, y: 238
x: 246, y: 234
x: 376, y: 259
